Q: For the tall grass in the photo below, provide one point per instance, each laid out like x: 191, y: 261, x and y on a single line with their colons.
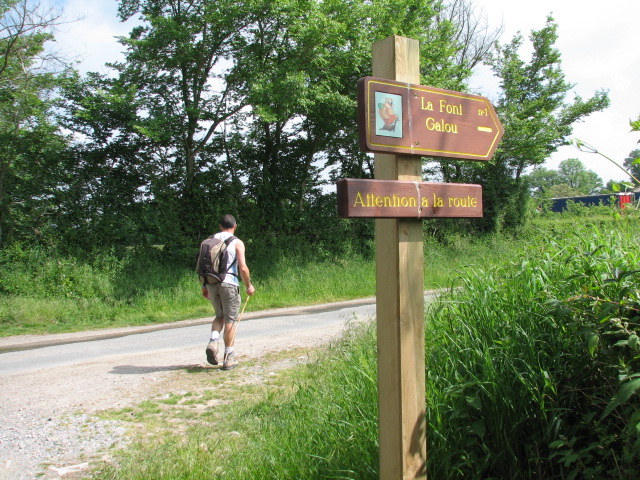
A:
x: 525, y: 362
x: 43, y: 291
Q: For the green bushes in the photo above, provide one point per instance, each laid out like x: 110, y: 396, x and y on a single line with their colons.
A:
x: 533, y: 367
x: 45, y: 291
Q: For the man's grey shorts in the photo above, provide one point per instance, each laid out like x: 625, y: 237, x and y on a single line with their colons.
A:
x: 225, y: 299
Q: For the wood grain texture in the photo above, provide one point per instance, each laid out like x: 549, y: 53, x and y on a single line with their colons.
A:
x: 400, y: 302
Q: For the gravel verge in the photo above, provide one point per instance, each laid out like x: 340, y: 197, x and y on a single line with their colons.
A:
x: 49, y: 423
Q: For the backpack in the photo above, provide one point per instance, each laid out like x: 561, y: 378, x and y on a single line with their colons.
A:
x: 213, y: 259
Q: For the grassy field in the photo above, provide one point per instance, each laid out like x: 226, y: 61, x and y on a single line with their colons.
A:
x: 44, y: 292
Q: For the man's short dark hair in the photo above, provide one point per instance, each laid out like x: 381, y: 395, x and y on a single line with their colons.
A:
x: 227, y: 221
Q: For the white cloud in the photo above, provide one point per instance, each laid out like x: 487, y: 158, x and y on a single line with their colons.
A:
x: 598, y: 53
x: 91, y: 33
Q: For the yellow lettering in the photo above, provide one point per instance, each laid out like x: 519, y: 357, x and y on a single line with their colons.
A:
x: 425, y: 202
x: 441, y: 126
x: 404, y: 201
x: 450, y: 109
x: 427, y: 106
x: 462, y: 202
x: 483, y: 112
x: 358, y: 201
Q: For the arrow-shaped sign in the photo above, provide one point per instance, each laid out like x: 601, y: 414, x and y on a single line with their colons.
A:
x: 397, y: 117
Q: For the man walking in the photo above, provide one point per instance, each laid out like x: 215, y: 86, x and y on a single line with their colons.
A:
x: 225, y: 296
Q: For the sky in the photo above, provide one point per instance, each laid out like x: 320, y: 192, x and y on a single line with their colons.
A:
x: 597, y: 43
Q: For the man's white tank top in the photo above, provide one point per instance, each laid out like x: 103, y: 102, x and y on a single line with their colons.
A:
x: 231, y: 248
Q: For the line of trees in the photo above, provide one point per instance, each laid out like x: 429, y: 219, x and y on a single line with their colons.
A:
x: 570, y: 180
x: 246, y: 107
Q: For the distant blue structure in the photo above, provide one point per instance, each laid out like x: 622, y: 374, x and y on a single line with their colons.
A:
x: 619, y: 199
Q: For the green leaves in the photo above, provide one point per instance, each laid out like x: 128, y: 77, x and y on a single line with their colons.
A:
x: 537, y: 120
x: 546, y: 348
x: 31, y: 147
x: 627, y: 389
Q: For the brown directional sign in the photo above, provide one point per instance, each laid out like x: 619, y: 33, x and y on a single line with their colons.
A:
x: 397, y: 117
x: 359, y: 198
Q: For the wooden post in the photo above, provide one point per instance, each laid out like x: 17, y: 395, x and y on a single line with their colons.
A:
x: 400, y: 301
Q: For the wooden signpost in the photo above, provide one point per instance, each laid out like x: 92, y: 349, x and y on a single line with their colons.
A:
x: 401, y: 121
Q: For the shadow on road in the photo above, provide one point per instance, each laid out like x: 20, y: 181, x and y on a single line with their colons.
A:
x: 142, y: 370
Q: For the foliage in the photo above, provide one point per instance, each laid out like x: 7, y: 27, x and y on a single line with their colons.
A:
x: 43, y: 290
x: 571, y: 179
x: 31, y: 146
x: 109, y: 287
x: 536, y: 119
x: 548, y: 352
x: 243, y: 107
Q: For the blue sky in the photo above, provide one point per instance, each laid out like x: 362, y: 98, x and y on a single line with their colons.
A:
x: 597, y: 41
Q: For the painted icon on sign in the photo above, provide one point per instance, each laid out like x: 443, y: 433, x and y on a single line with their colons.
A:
x: 389, y: 118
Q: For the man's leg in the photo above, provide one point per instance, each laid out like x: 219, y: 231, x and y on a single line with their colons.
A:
x: 213, y: 346
x: 229, y: 333
x: 216, y: 325
x: 229, y: 355
x: 230, y: 296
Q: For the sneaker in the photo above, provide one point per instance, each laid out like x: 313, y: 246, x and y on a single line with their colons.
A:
x: 212, y: 352
x: 230, y: 362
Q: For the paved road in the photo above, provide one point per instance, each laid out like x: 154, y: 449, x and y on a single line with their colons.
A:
x: 31, y: 353
x: 48, y: 381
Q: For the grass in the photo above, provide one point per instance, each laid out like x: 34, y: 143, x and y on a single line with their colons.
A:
x: 45, y: 292
x: 289, y: 423
x: 539, y: 349
x: 531, y: 373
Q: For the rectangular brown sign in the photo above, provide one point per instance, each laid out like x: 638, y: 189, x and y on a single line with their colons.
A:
x: 358, y: 198
x: 396, y: 117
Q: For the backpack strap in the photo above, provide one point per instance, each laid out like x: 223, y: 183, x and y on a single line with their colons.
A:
x: 228, y: 241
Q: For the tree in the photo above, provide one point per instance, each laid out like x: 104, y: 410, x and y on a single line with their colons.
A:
x: 570, y: 180
x: 573, y: 173
x: 471, y: 33
x: 244, y: 106
x: 30, y: 142
x: 159, y: 122
x: 536, y: 119
x: 304, y: 65
x: 541, y: 179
